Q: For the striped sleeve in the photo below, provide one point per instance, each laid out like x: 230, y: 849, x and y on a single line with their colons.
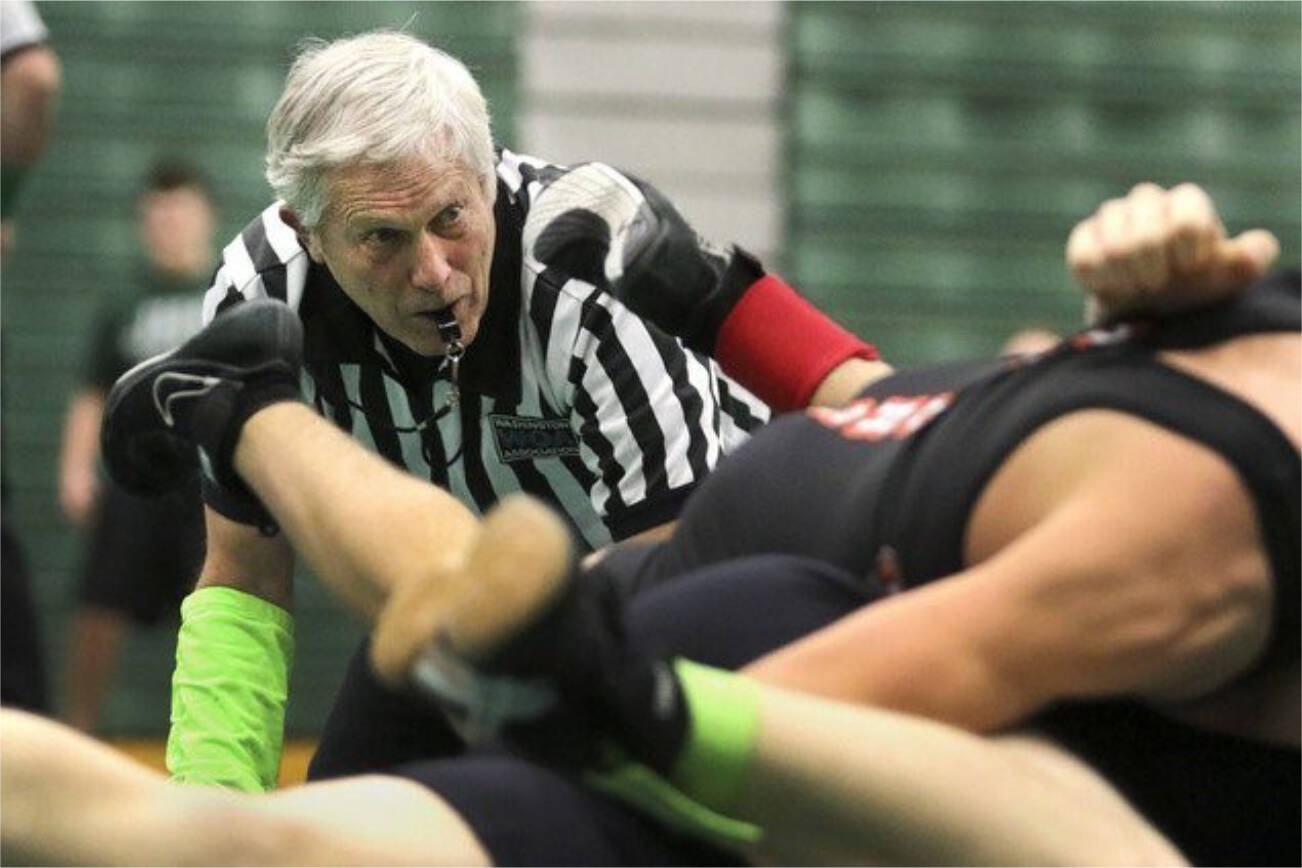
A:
x: 264, y: 260
x: 647, y: 411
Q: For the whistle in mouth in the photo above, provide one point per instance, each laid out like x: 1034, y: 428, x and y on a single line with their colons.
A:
x: 449, y: 329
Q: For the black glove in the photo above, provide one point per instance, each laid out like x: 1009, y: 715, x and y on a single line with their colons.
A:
x: 609, y: 689
x: 236, y: 501
x: 199, y: 395
x: 565, y: 688
x: 675, y: 280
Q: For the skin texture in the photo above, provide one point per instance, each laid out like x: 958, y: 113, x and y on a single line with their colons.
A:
x: 176, y: 229
x: 30, y: 86
x: 1092, y: 585
x: 29, y: 90
x: 1134, y: 249
x: 136, y: 817
x: 404, y: 240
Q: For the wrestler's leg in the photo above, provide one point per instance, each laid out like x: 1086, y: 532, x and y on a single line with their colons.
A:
x: 362, y: 524
x: 234, y: 392
x: 827, y: 781
x: 69, y: 800
x: 849, y: 784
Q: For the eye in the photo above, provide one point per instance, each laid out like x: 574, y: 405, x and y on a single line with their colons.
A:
x: 449, y: 217
x: 382, y: 236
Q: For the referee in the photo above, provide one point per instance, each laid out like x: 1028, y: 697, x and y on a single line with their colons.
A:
x: 462, y: 314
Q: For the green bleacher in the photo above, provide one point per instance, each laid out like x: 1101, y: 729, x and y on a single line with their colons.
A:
x: 939, y: 153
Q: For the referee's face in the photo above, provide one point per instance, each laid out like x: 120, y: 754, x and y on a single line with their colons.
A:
x: 406, y: 240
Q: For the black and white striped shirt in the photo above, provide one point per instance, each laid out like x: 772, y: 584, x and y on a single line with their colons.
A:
x: 565, y: 393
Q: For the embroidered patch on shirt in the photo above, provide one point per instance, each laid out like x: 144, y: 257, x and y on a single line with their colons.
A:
x: 521, y: 438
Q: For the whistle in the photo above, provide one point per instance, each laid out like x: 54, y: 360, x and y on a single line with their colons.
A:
x: 449, y: 329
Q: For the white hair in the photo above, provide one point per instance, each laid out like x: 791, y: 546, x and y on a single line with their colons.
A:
x: 375, y: 98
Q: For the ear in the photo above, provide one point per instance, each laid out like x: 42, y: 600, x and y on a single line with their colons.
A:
x: 306, y: 237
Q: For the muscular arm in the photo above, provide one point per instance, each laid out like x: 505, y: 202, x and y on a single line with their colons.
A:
x: 1129, y: 566
x: 1108, y: 556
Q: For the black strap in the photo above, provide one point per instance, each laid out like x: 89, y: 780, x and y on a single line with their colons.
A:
x: 1270, y: 305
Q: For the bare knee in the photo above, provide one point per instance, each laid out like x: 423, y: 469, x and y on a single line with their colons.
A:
x: 234, y: 829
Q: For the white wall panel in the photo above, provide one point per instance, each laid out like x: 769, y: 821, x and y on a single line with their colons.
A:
x: 683, y: 94
x: 756, y: 20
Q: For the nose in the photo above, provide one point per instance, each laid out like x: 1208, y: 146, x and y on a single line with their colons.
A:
x: 432, y: 268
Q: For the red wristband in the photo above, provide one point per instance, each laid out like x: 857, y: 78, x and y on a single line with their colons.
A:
x: 781, y: 347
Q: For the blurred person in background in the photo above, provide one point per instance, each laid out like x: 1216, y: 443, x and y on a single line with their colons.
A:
x: 29, y: 88
x: 142, y: 555
x: 488, y: 321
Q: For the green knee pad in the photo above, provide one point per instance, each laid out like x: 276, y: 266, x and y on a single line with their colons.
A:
x: 712, y: 769
x: 229, y: 690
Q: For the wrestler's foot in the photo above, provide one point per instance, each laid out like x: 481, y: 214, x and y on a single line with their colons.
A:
x: 519, y: 644
x: 200, y: 394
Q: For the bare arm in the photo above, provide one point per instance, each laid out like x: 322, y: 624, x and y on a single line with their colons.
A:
x: 30, y: 88
x: 69, y: 800
x: 78, y: 482
x: 1134, y: 567
x: 847, y: 380
x: 361, y: 524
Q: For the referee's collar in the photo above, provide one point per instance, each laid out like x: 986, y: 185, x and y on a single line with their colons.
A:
x: 492, y: 362
x: 337, y: 331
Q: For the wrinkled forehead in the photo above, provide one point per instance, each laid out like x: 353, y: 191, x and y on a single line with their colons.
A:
x: 396, y: 187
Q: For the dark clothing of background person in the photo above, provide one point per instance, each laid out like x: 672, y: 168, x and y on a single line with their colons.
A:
x: 22, y: 661
x: 142, y: 554
x: 22, y: 681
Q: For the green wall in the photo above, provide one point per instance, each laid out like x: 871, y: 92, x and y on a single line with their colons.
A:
x: 198, y: 80
x: 939, y: 153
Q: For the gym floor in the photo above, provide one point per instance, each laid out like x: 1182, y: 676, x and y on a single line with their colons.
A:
x: 151, y: 751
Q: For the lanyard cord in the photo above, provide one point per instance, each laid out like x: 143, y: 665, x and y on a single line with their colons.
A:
x: 450, y: 332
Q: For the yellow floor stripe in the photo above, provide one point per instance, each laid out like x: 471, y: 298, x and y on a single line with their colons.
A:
x: 150, y: 751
